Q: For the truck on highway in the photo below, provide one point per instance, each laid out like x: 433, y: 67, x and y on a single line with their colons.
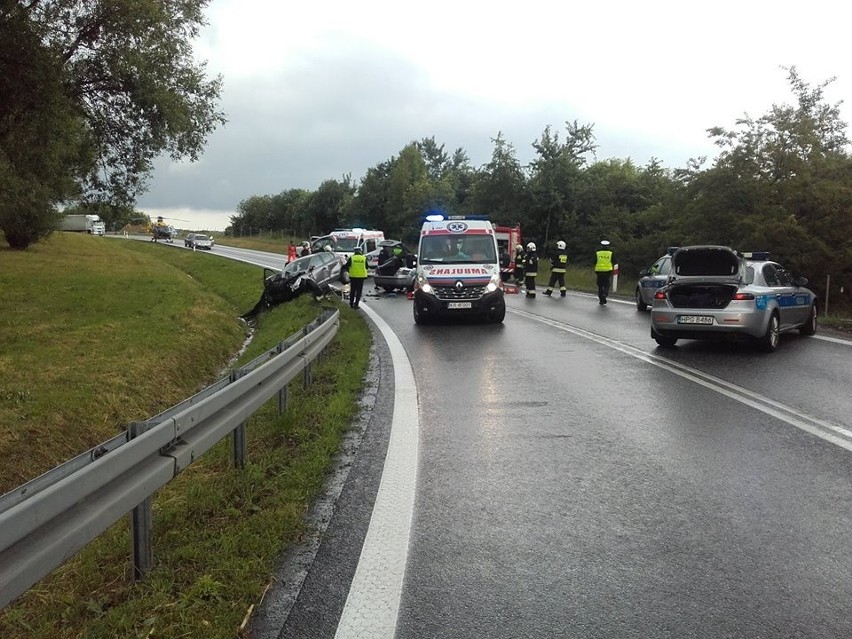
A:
x: 91, y: 224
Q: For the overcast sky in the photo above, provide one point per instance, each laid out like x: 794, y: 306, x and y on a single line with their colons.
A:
x: 315, y: 90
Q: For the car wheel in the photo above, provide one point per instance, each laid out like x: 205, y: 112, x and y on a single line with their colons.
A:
x: 497, y: 315
x: 810, y: 327
x: 641, y: 306
x: 769, y: 341
x: 419, y: 316
x: 662, y: 340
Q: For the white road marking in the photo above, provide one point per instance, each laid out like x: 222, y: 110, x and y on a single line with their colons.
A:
x: 372, y: 605
x: 821, y: 428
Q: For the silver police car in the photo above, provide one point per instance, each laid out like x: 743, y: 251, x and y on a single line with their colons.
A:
x: 712, y: 292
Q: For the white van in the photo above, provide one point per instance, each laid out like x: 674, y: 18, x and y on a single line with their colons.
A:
x: 344, y: 241
x: 458, y: 270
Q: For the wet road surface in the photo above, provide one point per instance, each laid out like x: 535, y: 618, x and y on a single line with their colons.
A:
x: 576, y: 481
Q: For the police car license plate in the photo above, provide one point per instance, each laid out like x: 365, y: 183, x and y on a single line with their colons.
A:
x: 694, y: 319
x: 452, y: 305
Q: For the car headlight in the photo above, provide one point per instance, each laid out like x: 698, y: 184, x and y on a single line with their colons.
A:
x: 493, y: 285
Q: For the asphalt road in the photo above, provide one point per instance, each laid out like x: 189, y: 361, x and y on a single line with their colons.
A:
x: 573, y: 480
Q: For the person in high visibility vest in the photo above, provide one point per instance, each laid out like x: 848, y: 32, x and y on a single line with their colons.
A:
x: 291, y: 252
x: 357, y: 267
x: 530, y: 269
x: 603, y: 270
x: 558, y: 264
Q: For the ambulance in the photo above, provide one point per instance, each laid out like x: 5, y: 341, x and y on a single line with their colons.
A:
x: 344, y: 241
x: 458, y: 271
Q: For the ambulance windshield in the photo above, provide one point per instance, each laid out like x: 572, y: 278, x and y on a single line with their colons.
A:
x: 457, y: 248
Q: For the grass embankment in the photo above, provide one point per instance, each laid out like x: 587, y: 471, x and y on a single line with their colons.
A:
x: 101, y: 332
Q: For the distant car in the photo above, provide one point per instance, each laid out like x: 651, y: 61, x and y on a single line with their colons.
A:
x: 396, y: 248
x: 713, y: 293
x: 201, y: 241
x: 651, y: 279
x: 187, y: 241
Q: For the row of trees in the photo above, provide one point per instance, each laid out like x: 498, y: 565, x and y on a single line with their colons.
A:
x: 781, y: 182
x: 90, y: 94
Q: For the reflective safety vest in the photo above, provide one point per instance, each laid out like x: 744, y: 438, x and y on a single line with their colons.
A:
x: 558, y: 263
x: 604, y: 263
x: 358, y: 266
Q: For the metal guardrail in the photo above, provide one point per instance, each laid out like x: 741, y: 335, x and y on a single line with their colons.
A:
x: 46, y: 521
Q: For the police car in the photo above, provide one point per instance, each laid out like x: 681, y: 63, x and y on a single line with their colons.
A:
x: 711, y: 292
x: 653, y: 278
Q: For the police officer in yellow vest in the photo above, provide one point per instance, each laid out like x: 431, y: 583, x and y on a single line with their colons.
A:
x: 357, y: 267
x: 603, y: 270
x: 558, y: 263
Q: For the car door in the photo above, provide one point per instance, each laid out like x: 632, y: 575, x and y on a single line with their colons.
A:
x: 784, y: 291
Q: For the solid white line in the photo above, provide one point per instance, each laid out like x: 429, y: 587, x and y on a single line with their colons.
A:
x: 821, y: 428
x: 833, y: 340
x: 372, y: 605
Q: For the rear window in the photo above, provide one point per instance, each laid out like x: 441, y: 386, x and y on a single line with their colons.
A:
x: 706, y: 263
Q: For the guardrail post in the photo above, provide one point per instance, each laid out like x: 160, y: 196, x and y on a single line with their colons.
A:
x: 141, y: 523
x: 308, y: 377
x: 283, y: 394
x: 239, y: 433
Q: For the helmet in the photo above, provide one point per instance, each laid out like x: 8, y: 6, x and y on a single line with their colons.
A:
x: 531, y: 246
x: 518, y: 247
x: 604, y: 242
x: 359, y: 250
x: 560, y: 245
x: 327, y: 248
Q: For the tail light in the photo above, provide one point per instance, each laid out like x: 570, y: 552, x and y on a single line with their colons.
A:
x: 742, y: 297
x: 659, y: 295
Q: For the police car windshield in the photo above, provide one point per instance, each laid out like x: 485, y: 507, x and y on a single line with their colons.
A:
x: 457, y: 249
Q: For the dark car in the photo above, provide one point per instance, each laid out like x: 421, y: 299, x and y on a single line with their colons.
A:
x: 712, y: 292
x: 312, y: 274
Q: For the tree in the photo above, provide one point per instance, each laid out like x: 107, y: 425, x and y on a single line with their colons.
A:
x: 91, y: 93
x: 500, y: 187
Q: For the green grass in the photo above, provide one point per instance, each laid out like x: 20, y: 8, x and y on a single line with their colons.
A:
x: 163, y: 323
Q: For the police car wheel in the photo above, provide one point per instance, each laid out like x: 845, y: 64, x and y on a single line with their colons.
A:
x: 769, y: 341
x: 810, y: 327
x: 640, y: 304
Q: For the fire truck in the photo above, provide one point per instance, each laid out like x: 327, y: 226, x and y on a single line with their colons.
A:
x: 508, y: 237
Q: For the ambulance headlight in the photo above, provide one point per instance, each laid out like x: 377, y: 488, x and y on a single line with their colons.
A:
x: 424, y: 285
x: 494, y: 284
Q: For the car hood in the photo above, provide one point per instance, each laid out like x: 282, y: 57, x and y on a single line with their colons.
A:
x: 706, y: 263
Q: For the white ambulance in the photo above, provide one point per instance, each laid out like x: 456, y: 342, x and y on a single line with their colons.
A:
x: 344, y: 241
x: 458, y: 270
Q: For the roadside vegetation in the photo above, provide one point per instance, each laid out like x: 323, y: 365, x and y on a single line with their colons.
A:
x: 105, y: 331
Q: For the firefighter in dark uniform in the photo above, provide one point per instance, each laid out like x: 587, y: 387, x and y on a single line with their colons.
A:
x: 530, y: 269
x: 603, y: 270
x: 558, y: 264
x: 519, y: 263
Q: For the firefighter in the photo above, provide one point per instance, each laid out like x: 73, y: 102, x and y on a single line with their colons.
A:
x: 519, y: 264
x: 603, y: 270
x: 558, y: 263
x: 530, y: 269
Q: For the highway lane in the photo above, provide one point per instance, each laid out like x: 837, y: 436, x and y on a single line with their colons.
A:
x: 567, y: 487
x: 570, y: 489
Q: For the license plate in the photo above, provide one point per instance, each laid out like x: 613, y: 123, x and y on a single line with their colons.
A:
x: 452, y: 305
x: 694, y: 319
